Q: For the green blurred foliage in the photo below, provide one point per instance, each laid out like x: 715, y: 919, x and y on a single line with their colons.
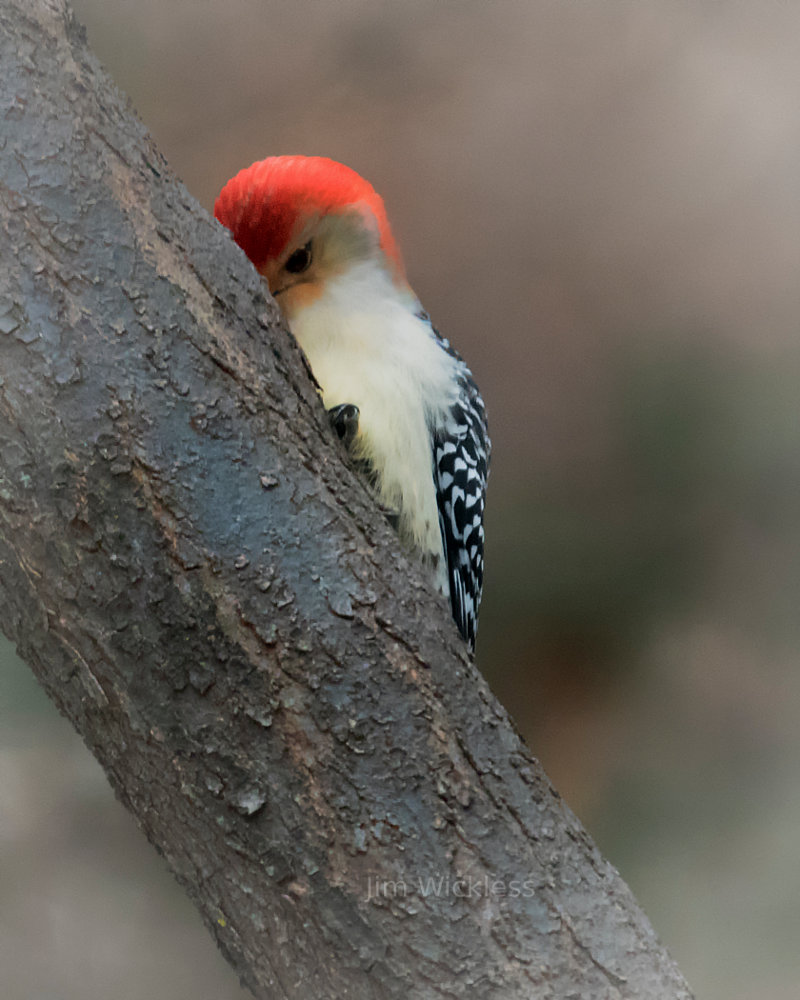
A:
x: 703, y: 453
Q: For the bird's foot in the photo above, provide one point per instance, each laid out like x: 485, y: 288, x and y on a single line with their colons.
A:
x: 344, y: 420
x: 392, y: 516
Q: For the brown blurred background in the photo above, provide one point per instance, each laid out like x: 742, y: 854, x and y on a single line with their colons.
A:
x: 599, y: 203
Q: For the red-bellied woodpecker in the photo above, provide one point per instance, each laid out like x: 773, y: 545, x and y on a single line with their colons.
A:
x: 398, y: 394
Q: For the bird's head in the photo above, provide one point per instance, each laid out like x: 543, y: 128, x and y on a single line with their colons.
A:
x: 304, y: 219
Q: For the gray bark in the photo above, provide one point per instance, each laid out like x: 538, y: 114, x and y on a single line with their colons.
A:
x: 205, y: 589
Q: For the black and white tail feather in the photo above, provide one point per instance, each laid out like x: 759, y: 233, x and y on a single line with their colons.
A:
x: 461, y: 451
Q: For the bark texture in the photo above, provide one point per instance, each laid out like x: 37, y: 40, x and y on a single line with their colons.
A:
x: 206, y: 590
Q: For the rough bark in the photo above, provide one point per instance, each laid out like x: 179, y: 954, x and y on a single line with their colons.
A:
x: 205, y: 589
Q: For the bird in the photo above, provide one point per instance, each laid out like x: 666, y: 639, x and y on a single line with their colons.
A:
x: 399, y: 396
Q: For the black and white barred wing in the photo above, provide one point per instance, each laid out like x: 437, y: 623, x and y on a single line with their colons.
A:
x: 461, y: 449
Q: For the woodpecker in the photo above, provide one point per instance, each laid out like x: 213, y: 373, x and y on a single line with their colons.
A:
x: 399, y: 396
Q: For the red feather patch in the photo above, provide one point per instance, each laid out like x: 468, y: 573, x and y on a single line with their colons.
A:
x: 265, y: 204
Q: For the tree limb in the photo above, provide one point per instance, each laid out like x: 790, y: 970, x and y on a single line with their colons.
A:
x: 208, y: 593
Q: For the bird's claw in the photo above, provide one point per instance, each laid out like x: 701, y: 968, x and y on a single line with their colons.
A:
x: 392, y: 515
x: 344, y: 420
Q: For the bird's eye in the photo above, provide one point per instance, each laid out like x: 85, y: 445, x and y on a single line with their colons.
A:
x: 300, y: 260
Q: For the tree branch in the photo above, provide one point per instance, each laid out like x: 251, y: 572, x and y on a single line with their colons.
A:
x: 207, y: 592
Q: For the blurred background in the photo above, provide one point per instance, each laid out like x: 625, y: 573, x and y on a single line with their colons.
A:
x: 599, y: 204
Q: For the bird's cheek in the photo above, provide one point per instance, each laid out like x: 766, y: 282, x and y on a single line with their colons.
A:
x: 298, y: 297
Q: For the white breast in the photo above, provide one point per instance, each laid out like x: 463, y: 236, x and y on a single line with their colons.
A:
x: 366, y: 346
